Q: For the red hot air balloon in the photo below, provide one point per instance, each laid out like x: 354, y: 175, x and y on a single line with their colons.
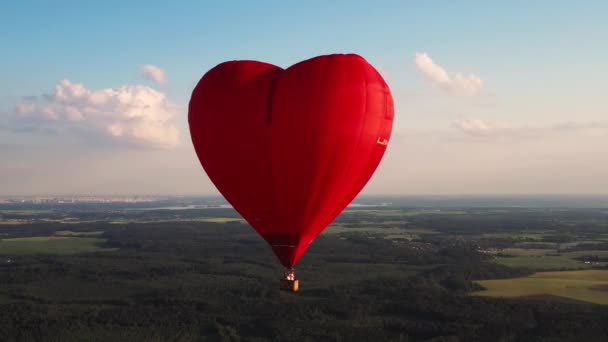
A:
x: 291, y: 148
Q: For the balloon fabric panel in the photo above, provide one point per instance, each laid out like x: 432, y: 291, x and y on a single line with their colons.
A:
x: 290, y: 149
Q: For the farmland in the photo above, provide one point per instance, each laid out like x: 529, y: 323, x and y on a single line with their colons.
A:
x: 587, y: 285
x: 104, y: 272
x: 62, y: 242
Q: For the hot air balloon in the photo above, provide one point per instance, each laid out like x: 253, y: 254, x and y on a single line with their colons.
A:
x: 289, y: 149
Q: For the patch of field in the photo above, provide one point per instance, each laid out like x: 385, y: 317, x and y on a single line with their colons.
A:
x: 36, y: 239
x: 536, y: 244
x: 393, y: 222
x: 220, y: 219
x: 433, y: 212
x: 552, y: 299
x: 542, y: 262
x: 72, y: 233
x: 371, y: 230
x: 177, y: 219
x: 585, y: 285
x: 526, y: 252
x: 603, y: 288
x: 30, y: 220
x: 578, y: 254
x: 377, y: 212
x: 388, y: 232
x: 52, y: 245
x: 546, y: 259
x: 24, y: 212
x: 410, y: 234
x: 517, y: 235
x: 398, y: 212
x: 577, y: 243
x: 14, y: 221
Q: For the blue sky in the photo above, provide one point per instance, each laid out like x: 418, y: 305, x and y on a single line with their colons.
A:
x: 542, y: 67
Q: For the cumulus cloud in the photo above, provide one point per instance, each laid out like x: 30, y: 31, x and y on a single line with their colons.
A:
x: 491, y: 129
x: 589, y: 126
x: 455, y: 83
x: 153, y: 73
x: 478, y: 127
x: 135, y: 114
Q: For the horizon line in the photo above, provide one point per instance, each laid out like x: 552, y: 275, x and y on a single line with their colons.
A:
x: 531, y: 194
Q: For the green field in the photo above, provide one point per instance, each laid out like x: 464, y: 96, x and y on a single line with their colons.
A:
x: 386, y: 232
x: 526, y: 252
x: 542, y: 262
x: 72, y: 233
x: 220, y: 219
x: 24, y: 212
x: 517, y: 235
x: 433, y: 212
x: 398, y: 212
x: 51, y: 245
x: 378, y: 212
x: 194, y: 219
x: 537, y: 244
x: 586, y: 285
x: 546, y: 259
x: 578, y: 243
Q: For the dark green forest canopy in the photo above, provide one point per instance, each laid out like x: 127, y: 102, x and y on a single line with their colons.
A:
x: 389, y: 274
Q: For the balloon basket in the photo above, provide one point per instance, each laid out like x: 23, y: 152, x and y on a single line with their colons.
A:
x: 289, y: 285
x: 289, y: 282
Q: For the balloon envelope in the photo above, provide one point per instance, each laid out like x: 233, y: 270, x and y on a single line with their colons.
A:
x: 291, y: 148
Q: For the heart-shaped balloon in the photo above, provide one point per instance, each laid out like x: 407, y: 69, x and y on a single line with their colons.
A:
x: 291, y: 148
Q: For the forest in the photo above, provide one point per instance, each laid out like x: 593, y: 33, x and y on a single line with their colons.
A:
x: 378, y: 273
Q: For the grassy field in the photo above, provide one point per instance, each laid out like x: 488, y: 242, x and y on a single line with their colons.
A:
x: 542, y: 262
x: 386, y: 232
x: 546, y: 259
x: 51, y: 245
x: 195, y: 219
x: 399, y: 212
x: 29, y: 220
x: 586, y: 285
x: 220, y: 219
x: 517, y: 235
x: 578, y: 243
x: 536, y: 244
x: 378, y: 212
x: 433, y: 212
x: 526, y: 252
x: 24, y: 212
x: 71, y: 233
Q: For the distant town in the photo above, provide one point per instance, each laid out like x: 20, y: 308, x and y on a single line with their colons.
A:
x: 81, y: 199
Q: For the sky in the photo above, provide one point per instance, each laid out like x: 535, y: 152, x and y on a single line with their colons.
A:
x: 490, y: 97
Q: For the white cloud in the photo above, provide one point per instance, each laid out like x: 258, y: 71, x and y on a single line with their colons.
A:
x: 135, y: 114
x: 478, y: 127
x: 456, y: 83
x: 589, y: 126
x: 491, y: 129
x: 153, y: 73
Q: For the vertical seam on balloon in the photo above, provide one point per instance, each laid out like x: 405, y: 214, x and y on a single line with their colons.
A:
x: 311, y: 207
x: 270, y: 152
x: 387, y: 100
x: 334, y: 214
x: 273, y: 87
x: 386, y: 111
x: 232, y: 66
